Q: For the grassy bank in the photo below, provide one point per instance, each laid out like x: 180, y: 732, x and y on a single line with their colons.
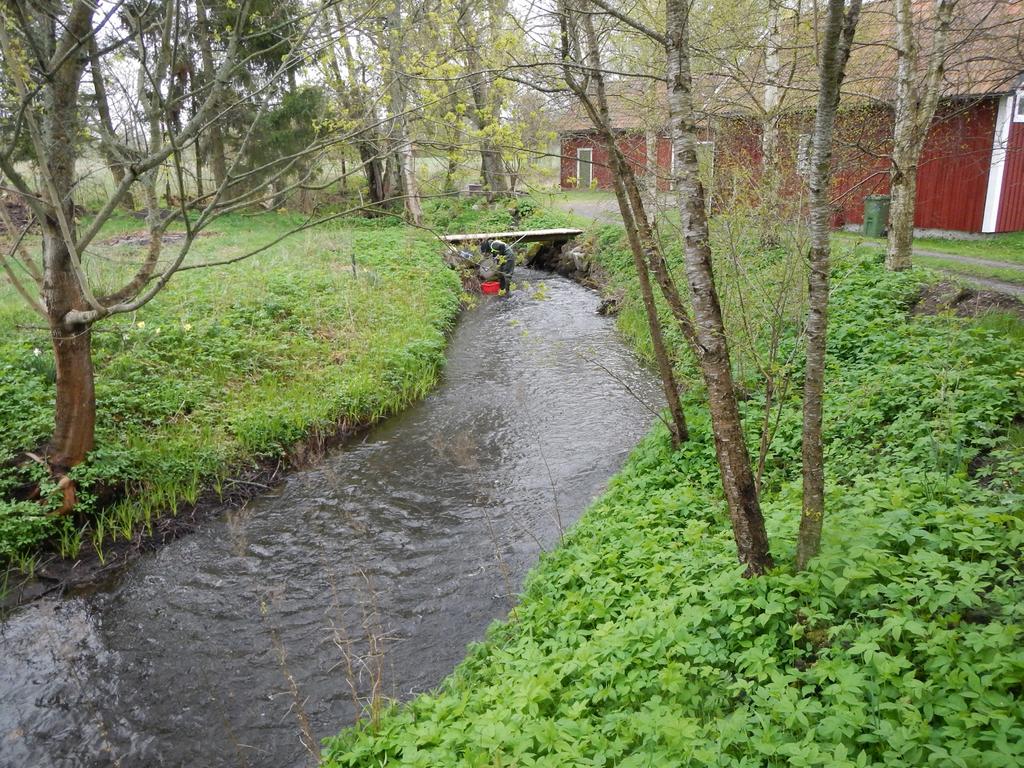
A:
x: 227, y: 367
x: 637, y: 642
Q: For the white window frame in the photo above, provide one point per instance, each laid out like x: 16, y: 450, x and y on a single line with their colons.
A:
x: 579, y: 164
x: 1018, y: 112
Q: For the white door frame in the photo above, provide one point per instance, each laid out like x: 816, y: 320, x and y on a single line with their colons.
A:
x: 1000, y: 140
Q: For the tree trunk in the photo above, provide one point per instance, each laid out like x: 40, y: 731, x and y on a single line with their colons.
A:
x: 410, y: 188
x: 835, y: 51
x: 917, y: 97
x: 405, y: 174
x: 61, y: 292
x: 713, y: 350
x: 772, y: 89
x: 903, y: 190
x: 677, y: 428
x: 215, y: 146
x: 651, y: 170
x: 373, y: 168
x: 484, y: 114
x: 634, y: 218
x: 75, y: 415
x: 450, y: 171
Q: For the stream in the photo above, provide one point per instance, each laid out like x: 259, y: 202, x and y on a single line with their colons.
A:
x: 361, y: 577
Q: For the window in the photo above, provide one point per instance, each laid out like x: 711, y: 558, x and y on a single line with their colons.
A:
x: 1018, y: 111
x: 584, y: 167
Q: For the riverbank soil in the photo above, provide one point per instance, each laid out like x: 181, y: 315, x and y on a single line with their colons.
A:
x: 228, y: 376
x: 638, y: 642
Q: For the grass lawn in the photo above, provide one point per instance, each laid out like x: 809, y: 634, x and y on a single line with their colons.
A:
x: 226, y: 366
x: 638, y: 643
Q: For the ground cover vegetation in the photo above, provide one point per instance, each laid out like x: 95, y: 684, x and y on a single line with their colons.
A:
x: 229, y: 366
x: 639, y: 642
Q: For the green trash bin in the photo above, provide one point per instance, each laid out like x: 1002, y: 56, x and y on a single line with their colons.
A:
x: 876, y: 215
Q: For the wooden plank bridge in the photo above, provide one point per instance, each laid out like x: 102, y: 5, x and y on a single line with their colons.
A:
x: 512, y: 238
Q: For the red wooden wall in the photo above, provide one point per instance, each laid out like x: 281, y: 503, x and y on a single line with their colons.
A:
x: 952, y: 177
x: 633, y: 145
x: 1011, y: 201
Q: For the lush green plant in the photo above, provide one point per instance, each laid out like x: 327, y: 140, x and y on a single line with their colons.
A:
x: 339, y: 325
x: 638, y: 643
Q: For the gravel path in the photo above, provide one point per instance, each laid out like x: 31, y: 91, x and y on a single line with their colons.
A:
x: 969, y: 260
x: 1001, y: 286
x: 604, y: 210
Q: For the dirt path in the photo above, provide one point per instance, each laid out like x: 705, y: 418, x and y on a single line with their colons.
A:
x: 991, y: 283
x: 973, y: 260
x: 1001, y: 286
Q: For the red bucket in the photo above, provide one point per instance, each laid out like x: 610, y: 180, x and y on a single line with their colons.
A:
x: 491, y: 287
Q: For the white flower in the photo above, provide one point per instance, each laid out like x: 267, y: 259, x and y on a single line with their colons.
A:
x: 37, y: 351
x: 187, y: 326
x: 141, y: 324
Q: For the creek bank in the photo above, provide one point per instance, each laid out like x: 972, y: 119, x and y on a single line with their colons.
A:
x: 607, y: 658
x: 576, y: 260
x: 395, y: 552
x: 267, y: 376
x: 60, y: 576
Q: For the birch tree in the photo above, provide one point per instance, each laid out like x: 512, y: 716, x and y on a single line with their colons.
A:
x: 834, y: 51
x: 918, y: 88
x: 705, y: 332
x: 711, y: 340
x: 582, y: 71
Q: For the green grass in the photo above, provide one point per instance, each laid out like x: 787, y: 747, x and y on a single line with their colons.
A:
x: 226, y: 366
x: 638, y: 643
x: 1006, y: 247
x: 1006, y: 274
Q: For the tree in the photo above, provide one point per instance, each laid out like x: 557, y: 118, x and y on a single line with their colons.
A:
x: 712, y: 343
x: 45, y: 53
x: 834, y: 52
x: 706, y: 332
x: 480, y: 27
x: 918, y: 87
x: 581, y: 66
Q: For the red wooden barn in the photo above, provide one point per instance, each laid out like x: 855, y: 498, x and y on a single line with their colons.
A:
x: 971, y: 173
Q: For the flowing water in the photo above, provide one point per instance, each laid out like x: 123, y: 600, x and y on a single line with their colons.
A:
x: 368, y: 573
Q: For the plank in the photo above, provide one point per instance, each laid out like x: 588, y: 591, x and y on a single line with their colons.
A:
x: 525, y: 236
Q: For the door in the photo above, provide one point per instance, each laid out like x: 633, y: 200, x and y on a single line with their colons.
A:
x: 584, y: 168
